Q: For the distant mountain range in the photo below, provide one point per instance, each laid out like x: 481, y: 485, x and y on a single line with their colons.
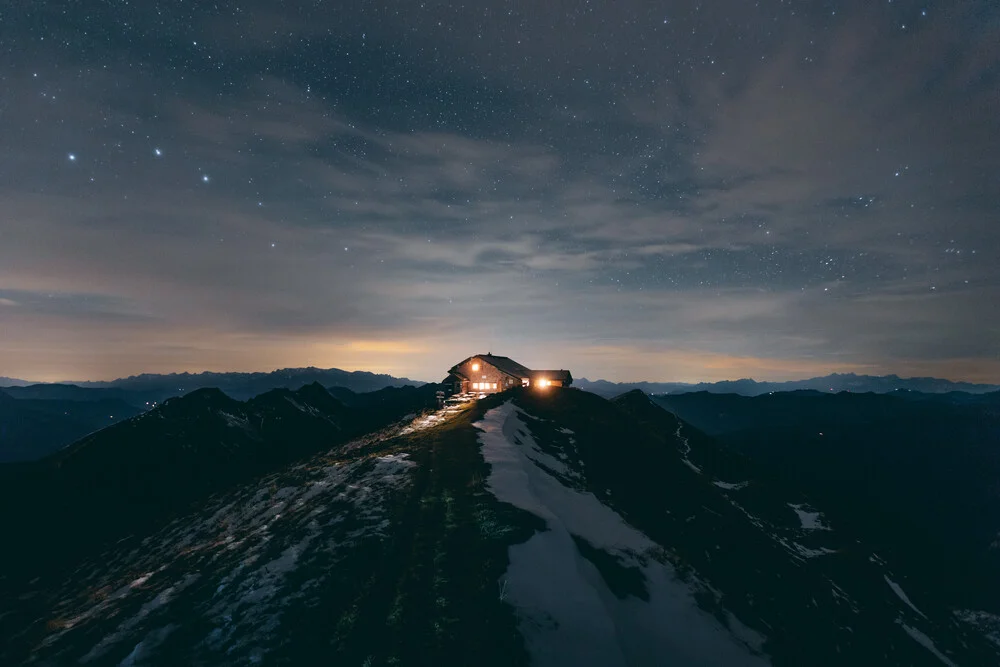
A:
x: 151, y: 387
x: 242, y: 386
x: 879, y: 384
x: 531, y: 527
x: 46, y: 417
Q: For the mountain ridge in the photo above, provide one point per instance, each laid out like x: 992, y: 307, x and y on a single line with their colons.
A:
x: 31, y: 428
x: 517, y: 529
x: 156, y: 387
x: 828, y: 383
x: 286, y: 371
x: 189, y: 446
x: 930, y: 461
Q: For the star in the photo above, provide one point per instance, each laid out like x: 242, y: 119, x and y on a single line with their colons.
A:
x: 205, y: 178
x: 157, y: 152
x: 72, y: 157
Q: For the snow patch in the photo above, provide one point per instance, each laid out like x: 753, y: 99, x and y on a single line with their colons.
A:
x: 926, y: 642
x: 983, y: 621
x: 244, y: 550
x: 144, y: 649
x: 840, y: 594
x: 452, y: 407
x: 806, y: 552
x: 235, y: 421
x: 809, y: 520
x: 898, y: 590
x: 691, y: 465
x: 568, y: 613
x: 730, y: 487
x: 685, y: 448
x: 163, y: 598
x: 797, y: 550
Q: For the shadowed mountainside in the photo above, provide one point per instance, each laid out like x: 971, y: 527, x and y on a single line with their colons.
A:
x: 131, y: 475
x: 71, y: 392
x: 929, y: 463
x: 31, y: 428
x: 524, y: 528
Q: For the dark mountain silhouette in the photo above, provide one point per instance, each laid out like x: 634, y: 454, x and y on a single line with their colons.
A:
x: 12, y: 382
x: 288, y: 529
x: 929, y: 463
x: 139, y: 471
x: 242, y: 386
x: 32, y: 428
x: 835, y: 382
x: 72, y: 392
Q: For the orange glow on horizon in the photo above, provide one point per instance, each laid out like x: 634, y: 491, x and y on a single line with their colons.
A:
x: 43, y: 357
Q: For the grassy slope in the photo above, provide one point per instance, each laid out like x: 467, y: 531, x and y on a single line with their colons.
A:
x: 429, y: 595
x: 426, y: 594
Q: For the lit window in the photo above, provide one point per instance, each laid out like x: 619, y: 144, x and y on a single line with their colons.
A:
x: 475, y: 385
x: 494, y: 385
x: 475, y: 367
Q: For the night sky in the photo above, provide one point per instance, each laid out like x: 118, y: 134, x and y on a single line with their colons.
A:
x: 631, y: 190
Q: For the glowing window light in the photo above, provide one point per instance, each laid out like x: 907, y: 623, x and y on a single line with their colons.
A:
x: 475, y: 367
x: 494, y: 385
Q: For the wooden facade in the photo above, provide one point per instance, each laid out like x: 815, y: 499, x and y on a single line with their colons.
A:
x: 488, y: 373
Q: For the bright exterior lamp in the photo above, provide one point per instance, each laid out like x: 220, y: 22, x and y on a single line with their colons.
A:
x: 475, y: 367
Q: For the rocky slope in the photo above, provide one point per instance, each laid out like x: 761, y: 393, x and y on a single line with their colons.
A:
x: 550, y: 528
